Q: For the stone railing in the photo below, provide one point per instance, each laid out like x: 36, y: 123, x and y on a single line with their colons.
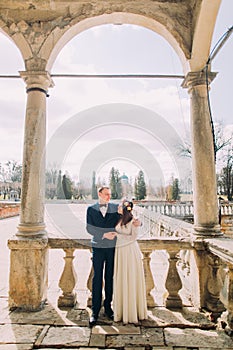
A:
x: 203, y: 268
x: 172, y: 209
x: 9, y: 209
x: 173, y: 282
x: 227, y: 218
x: 159, y: 225
x: 179, y: 209
x: 184, y: 211
x: 209, y: 263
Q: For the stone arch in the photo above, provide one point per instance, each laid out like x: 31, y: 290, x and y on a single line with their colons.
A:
x: 203, y: 34
x: 122, y: 149
x: 57, y: 40
x: 187, y: 27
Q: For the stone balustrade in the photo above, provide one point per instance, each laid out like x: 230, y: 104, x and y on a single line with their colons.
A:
x: 204, y: 268
x: 179, y: 209
x: 173, y: 285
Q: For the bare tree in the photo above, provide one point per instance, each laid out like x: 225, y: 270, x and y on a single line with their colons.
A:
x: 220, y: 142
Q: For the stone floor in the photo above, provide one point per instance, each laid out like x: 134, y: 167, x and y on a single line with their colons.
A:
x: 55, y: 328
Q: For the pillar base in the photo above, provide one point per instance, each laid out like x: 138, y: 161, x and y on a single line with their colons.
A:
x: 31, y: 230
x: 207, y: 231
x: 28, y: 273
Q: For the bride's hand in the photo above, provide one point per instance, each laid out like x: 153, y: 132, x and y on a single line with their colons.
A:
x: 109, y: 235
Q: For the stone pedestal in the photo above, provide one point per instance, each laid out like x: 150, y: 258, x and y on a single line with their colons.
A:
x: 28, y: 273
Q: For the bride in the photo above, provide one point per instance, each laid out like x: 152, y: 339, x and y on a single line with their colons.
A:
x: 129, y: 292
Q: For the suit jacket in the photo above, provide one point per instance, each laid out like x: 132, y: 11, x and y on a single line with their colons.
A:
x: 97, y: 225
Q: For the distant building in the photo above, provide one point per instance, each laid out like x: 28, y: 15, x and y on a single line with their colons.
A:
x: 124, y: 179
x: 126, y: 186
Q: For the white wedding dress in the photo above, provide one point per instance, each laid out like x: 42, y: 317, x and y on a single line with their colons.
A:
x: 129, y: 291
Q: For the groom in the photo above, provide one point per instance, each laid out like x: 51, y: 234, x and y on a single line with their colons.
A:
x: 102, y: 218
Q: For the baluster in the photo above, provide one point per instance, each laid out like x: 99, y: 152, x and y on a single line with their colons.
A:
x: 89, y: 285
x: 214, y: 286
x: 170, y: 210
x: 68, y: 281
x: 173, y: 283
x: 230, y: 299
x: 148, y: 277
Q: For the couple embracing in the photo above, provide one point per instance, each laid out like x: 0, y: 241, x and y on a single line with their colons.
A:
x: 116, y: 254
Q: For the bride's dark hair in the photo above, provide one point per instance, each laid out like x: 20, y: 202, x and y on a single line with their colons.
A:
x: 127, y: 215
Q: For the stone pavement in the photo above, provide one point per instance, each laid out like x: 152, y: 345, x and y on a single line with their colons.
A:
x: 53, y: 328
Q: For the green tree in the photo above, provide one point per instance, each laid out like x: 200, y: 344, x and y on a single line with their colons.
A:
x: 60, y: 192
x: 140, y: 186
x: 118, y: 184
x: 113, y: 183
x: 94, y: 193
x: 175, y: 189
x: 67, y: 186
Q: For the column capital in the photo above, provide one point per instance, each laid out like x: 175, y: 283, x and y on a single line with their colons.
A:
x: 197, y: 78
x: 34, y: 80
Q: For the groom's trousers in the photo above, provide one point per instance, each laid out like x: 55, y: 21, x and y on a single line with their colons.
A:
x: 103, y: 260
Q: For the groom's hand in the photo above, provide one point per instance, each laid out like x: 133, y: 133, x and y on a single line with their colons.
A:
x: 109, y: 235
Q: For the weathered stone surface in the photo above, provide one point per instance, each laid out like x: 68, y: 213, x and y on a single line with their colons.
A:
x: 115, y: 329
x: 21, y: 334
x: 47, y: 316
x: 16, y: 346
x: 132, y: 347
x: 167, y: 348
x: 209, y: 349
x: 191, y: 317
x: 137, y: 348
x: 97, y: 340
x: 79, y: 317
x: 197, y: 338
x: 149, y: 336
x: 67, y: 336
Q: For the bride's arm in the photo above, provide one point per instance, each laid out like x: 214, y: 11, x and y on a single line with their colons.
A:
x: 134, y: 232
x: 131, y: 236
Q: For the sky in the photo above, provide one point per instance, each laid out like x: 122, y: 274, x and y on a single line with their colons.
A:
x: 78, y: 110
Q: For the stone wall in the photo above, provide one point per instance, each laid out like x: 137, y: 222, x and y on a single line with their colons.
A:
x: 8, y: 210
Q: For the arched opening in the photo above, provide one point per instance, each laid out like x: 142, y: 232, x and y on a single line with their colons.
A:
x: 119, y: 49
x: 118, y: 18
x: 12, y: 102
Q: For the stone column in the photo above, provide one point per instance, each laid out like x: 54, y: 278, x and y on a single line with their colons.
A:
x: 206, y: 221
x: 33, y: 180
x: 29, y: 252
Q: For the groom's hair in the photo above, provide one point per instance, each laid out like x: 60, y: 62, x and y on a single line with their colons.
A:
x: 100, y: 189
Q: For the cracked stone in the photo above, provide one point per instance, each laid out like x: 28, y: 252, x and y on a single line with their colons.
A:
x: 67, y: 336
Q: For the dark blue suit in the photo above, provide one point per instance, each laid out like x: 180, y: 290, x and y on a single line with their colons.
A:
x: 103, y: 253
